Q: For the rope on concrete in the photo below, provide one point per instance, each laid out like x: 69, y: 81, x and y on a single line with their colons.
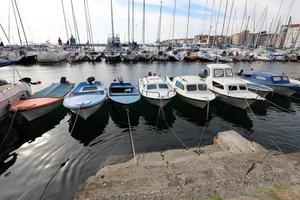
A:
x: 204, y: 128
x: 131, y: 137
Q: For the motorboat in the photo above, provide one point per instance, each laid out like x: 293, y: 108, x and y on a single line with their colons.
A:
x: 190, y: 56
x: 76, y: 57
x: 5, y: 62
x: 229, y: 89
x: 42, y: 102
x: 192, y: 90
x: 205, y: 56
x: 86, y: 98
x: 279, y: 82
x: 161, y: 56
x: 259, y: 89
x: 263, y: 57
x: 51, y: 54
x: 145, y: 56
x: 156, y: 90
x: 130, y: 56
x: 11, y: 93
x: 123, y: 93
x: 22, y: 56
x: 93, y: 56
x: 112, y: 57
x: 176, y: 55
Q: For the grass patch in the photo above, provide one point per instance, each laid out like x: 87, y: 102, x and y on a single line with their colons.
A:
x: 273, y: 191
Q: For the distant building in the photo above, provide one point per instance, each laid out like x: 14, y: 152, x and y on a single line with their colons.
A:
x: 289, y: 36
x: 179, y: 42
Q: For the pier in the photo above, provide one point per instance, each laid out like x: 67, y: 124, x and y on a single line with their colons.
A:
x: 231, y: 168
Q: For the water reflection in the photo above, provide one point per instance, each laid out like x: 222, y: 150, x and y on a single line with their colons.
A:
x: 86, y: 131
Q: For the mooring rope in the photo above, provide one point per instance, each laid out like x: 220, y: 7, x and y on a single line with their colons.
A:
x: 10, y: 127
x: 76, y: 118
x: 250, y: 108
x: 204, y: 128
x: 166, y: 123
x: 131, y: 137
x: 285, y: 109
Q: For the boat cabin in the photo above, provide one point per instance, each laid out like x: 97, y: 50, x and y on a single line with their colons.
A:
x: 271, y: 77
x: 154, y: 83
x: 190, y: 84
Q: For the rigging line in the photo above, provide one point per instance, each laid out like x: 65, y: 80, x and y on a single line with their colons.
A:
x: 90, y: 22
x: 21, y: 22
x: 275, y: 145
x: 131, y: 137
x: 10, y: 127
x: 166, y: 123
x: 206, y: 122
x: 65, y: 19
x: 285, y: 109
x: 250, y: 107
x: 17, y: 23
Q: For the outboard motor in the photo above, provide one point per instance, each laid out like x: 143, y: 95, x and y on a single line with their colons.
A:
x: 204, y: 73
x: 63, y: 79
x: 26, y: 80
x: 90, y: 80
x: 3, y: 82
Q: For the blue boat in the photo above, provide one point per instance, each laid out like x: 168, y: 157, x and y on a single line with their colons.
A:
x: 123, y: 93
x: 86, y: 98
x: 4, y: 62
x: 279, y: 82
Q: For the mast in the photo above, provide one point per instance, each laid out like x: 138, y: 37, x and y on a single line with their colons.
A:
x: 246, y: 35
x: 8, y: 28
x: 21, y: 22
x: 159, y: 23
x: 17, y: 24
x: 75, y: 23
x: 7, y: 38
x: 143, y: 33
x: 86, y: 22
x: 205, y: 10
x: 132, y: 34
x: 217, y: 22
x: 174, y: 14
x: 224, y: 18
x: 211, y: 19
x: 188, y: 22
x: 285, y: 34
x: 230, y: 15
x: 65, y: 20
x: 244, y: 15
x: 112, y: 21
x: 128, y: 34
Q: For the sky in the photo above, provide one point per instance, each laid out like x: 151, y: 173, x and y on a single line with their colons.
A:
x: 43, y: 19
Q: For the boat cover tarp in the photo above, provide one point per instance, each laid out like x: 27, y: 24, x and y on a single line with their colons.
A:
x: 56, y: 90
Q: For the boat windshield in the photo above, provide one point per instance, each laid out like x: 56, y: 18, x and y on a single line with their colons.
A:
x: 151, y: 87
x: 163, y: 86
x: 191, y: 88
x: 218, y: 73
x: 229, y: 72
x: 202, y: 87
x: 280, y: 78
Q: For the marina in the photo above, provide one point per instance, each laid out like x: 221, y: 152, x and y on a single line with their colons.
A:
x: 151, y: 99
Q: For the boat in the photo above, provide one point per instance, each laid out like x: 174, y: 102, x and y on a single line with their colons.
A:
x: 51, y: 54
x: 42, y: 102
x: 86, y: 98
x: 156, y: 90
x: 259, y: 89
x: 130, y: 56
x: 145, y: 56
x: 112, y: 57
x: 176, y: 55
x: 22, y: 56
x: 93, y: 56
x: 263, y: 57
x: 5, y: 62
x: 11, y: 93
x: 161, y: 56
x: 192, y: 90
x: 229, y: 89
x: 190, y: 56
x: 123, y: 93
x: 279, y: 82
x: 76, y: 57
x: 205, y: 56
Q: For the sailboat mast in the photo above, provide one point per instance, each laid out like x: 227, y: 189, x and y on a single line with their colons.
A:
x: 217, y: 22
x: 17, y: 24
x: 86, y: 22
x: 65, y: 20
x: 8, y: 28
x: 244, y: 16
x: 230, y: 15
x: 211, y: 20
x: 21, y: 22
x: 112, y: 21
x: 90, y: 23
x: 188, y: 22
x: 7, y: 38
x: 128, y: 34
x: 75, y: 23
x: 205, y: 10
x: 143, y: 33
x: 174, y: 14
x: 132, y: 25
x: 246, y: 35
x: 159, y: 23
x: 224, y: 20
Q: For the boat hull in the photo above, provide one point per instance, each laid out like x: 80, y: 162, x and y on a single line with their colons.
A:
x: 33, y: 114
x: 158, y: 102
x: 283, y: 91
x: 194, y: 102
x: 85, y: 113
x: 236, y: 102
x: 263, y: 94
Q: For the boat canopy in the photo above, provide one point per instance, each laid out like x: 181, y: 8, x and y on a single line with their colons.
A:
x: 55, y: 90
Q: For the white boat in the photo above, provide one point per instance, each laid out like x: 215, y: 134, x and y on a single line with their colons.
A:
x: 231, y: 90
x: 205, y: 56
x: 192, y: 90
x: 130, y: 56
x: 161, y: 56
x: 145, y: 55
x: 76, y: 57
x: 52, y: 54
x: 176, y: 55
x: 86, y: 98
x: 263, y: 57
x: 12, y: 93
x: 156, y: 90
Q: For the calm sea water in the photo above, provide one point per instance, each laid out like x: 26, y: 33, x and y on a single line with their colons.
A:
x: 42, y: 159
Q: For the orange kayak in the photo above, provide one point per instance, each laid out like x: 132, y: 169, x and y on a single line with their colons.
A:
x: 31, y: 104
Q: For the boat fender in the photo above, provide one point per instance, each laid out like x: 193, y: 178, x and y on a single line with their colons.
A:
x: 90, y: 80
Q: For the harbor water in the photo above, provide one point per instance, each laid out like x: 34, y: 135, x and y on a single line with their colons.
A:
x: 43, y: 160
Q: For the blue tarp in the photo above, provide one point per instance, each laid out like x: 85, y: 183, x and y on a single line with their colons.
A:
x: 56, y: 90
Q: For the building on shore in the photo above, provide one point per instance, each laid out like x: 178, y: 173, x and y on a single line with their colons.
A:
x: 178, y: 42
x: 289, y: 36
